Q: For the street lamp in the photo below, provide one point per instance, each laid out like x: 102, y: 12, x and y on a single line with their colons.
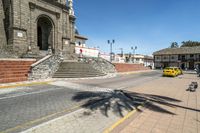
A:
x: 133, y: 48
x: 111, y: 53
x: 122, y: 53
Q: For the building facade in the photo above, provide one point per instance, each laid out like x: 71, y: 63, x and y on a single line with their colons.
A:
x: 184, y: 57
x: 37, y: 25
x: 81, y: 49
x: 146, y: 60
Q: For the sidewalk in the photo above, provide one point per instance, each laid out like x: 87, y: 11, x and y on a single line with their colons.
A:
x: 182, y: 115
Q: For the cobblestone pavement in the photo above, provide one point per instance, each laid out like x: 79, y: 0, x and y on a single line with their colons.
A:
x: 31, y: 103
x: 81, y: 121
x: 181, y: 115
x: 170, y: 109
x: 24, y: 107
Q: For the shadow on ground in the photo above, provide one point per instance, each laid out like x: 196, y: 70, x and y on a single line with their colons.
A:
x: 118, y: 101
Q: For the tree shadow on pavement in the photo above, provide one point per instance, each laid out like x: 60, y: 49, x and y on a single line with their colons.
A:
x: 118, y: 101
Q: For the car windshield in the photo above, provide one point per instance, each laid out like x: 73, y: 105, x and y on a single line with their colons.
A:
x: 168, y: 68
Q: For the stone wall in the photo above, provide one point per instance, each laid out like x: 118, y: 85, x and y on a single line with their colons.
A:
x: 45, y: 68
x: 124, y: 67
x: 7, y: 54
x: 102, y: 65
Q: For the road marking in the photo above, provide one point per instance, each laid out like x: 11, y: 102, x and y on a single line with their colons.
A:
x: 120, y: 121
x: 108, y: 130
x: 25, y: 84
x: 27, y: 124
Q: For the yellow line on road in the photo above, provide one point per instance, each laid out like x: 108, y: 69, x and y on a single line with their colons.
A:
x: 119, y: 122
x: 24, y: 84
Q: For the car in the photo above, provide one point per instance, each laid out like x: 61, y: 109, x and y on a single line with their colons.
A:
x: 180, y: 71
x: 170, y: 71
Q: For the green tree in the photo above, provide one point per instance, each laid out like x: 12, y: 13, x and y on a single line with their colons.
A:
x: 190, y: 44
x: 174, y: 45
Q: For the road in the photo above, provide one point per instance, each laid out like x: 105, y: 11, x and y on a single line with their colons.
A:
x: 122, y: 81
x: 24, y: 107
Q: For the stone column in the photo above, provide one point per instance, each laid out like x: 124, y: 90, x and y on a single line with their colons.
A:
x: 2, y: 30
x: 71, y: 10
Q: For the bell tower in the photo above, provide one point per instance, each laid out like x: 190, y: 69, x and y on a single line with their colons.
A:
x: 71, y: 10
x: 64, y: 2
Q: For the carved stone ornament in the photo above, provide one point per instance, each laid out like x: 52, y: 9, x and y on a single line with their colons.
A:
x: 32, y: 6
x: 57, y: 15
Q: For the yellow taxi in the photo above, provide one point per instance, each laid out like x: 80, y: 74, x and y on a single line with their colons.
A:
x: 179, y: 71
x: 171, y: 71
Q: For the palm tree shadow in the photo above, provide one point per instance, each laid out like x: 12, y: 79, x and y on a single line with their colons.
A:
x: 119, y: 101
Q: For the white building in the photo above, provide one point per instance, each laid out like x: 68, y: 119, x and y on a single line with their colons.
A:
x: 139, y: 59
x: 87, y: 52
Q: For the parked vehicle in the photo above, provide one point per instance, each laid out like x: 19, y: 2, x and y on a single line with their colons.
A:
x: 180, y: 71
x: 171, y: 71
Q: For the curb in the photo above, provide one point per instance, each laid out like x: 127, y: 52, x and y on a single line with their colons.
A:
x: 40, y: 82
x: 134, y: 72
x: 27, y: 83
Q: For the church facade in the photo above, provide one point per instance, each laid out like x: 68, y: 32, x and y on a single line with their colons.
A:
x: 36, y: 26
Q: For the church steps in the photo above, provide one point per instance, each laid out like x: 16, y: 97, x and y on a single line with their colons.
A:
x: 76, y: 70
x: 19, y: 75
x: 22, y: 69
x: 14, y: 71
x: 15, y: 63
x: 77, y: 75
x: 14, y: 67
x: 62, y: 74
x: 14, y: 79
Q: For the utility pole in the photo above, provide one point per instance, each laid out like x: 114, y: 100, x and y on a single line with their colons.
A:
x: 111, y: 53
x: 122, y: 53
x: 133, y: 48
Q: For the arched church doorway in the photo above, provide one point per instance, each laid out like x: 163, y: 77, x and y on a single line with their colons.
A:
x: 44, y: 33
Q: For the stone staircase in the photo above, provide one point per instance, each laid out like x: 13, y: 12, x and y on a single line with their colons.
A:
x: 73, y: 69
x: 14, y: 70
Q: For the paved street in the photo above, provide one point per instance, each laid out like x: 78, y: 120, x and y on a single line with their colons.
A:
x: 123, y: 81
x: 89, y: 106
x: 169, y: 108
x: 24, y: 107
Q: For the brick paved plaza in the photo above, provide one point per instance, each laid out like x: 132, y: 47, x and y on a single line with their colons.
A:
x: 182, y: 116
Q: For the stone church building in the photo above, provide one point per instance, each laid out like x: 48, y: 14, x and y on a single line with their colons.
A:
x: 35, y: 26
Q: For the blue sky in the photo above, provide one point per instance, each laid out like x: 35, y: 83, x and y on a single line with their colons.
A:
x: 148, y: 24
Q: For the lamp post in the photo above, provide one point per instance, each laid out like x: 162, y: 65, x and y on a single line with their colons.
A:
x: 133, y: 48
x: 122, y: 53
x: 111, y: 53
